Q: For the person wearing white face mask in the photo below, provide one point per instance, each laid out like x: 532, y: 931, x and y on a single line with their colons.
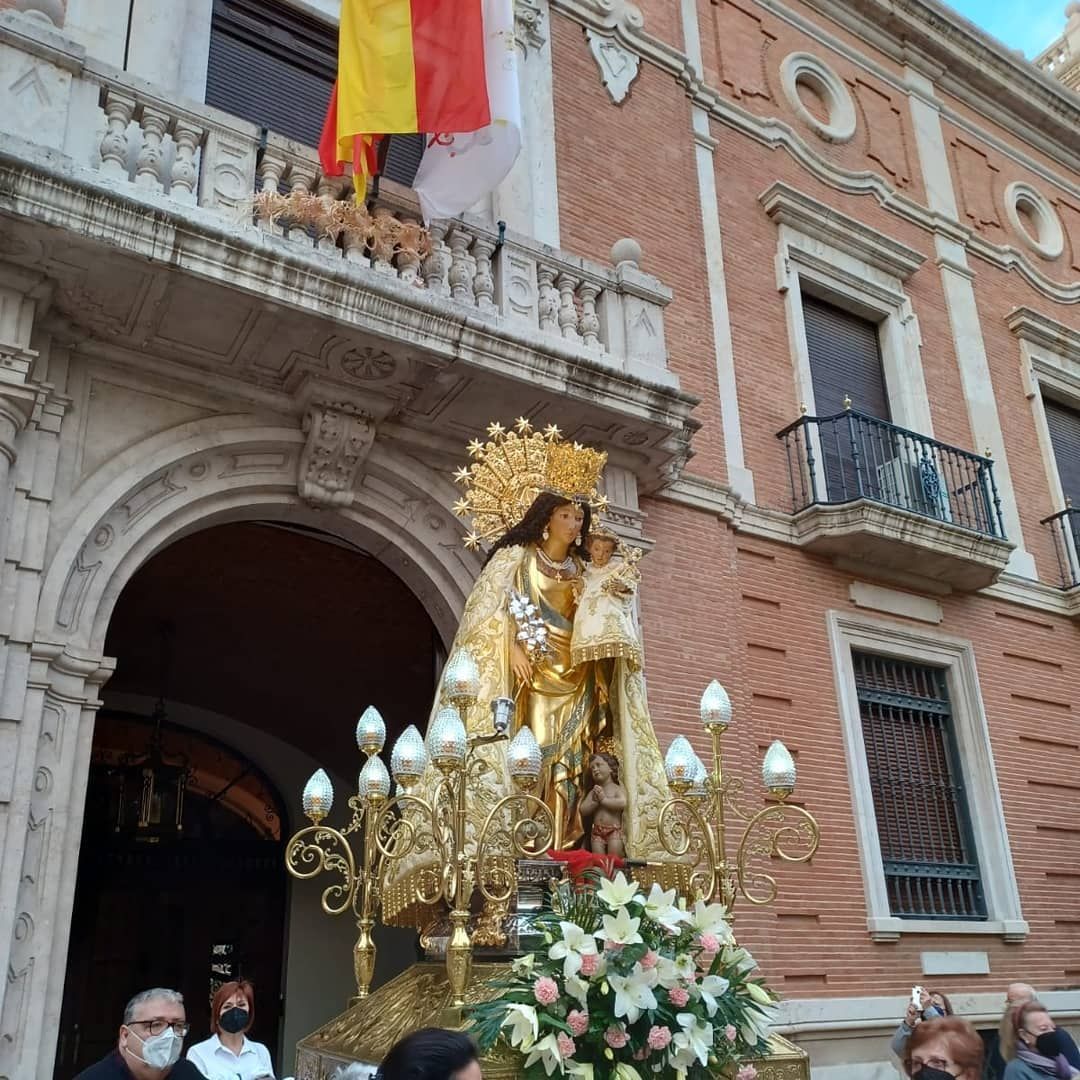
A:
x: 150, y: 1042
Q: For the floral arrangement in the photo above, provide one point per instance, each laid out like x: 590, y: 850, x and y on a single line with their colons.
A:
x: 627, y: 985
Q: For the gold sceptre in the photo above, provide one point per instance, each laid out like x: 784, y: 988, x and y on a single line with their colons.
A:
x: 693, y: 824
x: 408, y: 824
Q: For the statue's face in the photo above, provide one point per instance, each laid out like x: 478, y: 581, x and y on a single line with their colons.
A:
x: 600, y: 550
x: 601, y: 770
x: 565, y: 524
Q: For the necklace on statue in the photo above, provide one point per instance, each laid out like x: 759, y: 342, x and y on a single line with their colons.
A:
x: 558, y: 568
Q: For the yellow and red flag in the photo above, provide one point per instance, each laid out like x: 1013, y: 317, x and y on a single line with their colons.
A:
x: 447, y: 68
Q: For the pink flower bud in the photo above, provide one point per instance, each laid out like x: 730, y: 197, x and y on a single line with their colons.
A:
x: 730, y: 1033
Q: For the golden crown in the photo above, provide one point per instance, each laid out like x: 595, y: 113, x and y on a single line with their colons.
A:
x: 513, y: 467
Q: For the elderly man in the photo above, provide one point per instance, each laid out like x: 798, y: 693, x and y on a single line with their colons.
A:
x: 151, y: 1039
x: 1003, y: 1048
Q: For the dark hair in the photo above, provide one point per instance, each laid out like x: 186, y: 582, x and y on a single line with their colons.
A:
x: 946, y: 1003
x: 586, y: 822
x: 530, y: 529
x: 226, y: 991
x: 428, y: 1054
x: 964, y: 1042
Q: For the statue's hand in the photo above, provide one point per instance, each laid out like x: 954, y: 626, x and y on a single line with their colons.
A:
x: 520, y: 664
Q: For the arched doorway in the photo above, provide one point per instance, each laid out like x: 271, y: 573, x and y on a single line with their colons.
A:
x: 275, y: 630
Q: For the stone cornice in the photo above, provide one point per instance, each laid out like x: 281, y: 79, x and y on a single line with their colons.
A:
x: 787, y: 205
x: 1038, y: 329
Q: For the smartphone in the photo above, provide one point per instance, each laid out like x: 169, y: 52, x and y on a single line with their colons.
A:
x: 916, y: 996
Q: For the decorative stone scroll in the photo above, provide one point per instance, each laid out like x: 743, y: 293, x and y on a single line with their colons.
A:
x: 340, y: 436
x: 618, y: 64
x: 529, y: 29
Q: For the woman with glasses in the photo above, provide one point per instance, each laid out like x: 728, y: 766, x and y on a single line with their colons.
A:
x: 1040, y: 1051
x: 945, y: 1049
x: 229, y: 1054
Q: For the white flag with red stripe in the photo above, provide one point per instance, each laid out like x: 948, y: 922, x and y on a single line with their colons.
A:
x: 458, y: 170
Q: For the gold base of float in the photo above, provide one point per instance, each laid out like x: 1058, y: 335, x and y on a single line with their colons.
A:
x: 420, y: 997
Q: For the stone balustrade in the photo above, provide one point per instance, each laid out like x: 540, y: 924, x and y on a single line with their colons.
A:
x: 192, y: 155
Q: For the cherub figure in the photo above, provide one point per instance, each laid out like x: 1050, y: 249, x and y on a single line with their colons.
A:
x: 602, y: 808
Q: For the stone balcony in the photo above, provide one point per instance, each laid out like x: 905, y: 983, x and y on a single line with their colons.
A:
x: 141, y: 216
x: 877, y: 497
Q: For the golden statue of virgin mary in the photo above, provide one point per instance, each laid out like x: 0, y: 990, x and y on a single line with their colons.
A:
x: 531, y: 496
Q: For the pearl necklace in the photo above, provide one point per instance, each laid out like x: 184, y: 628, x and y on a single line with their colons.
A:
x: 566, y: 565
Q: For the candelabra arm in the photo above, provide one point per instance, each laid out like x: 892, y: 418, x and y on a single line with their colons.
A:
x: 318, y: 848
x: 687, y: 836
x: 779, y: 830
x: 529, y: 834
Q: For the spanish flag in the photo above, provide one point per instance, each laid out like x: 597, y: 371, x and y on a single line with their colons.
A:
x: 447, y: 68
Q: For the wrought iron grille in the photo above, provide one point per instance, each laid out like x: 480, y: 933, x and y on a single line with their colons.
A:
x: 931, y: 871
x: 838, y: 459
x: 1065, y: 527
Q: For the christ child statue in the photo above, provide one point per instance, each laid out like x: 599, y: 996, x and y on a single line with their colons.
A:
x: 605, y: 626
x: 602, y: 808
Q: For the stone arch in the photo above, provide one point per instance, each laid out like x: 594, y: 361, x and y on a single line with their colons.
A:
x: 235, y: 468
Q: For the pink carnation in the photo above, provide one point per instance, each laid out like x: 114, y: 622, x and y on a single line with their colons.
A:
x: 577, y: 1021
x: 616, y: 1037
x: 590, y: 964
x: 546, y: 990
x: 566, y: 1045
x: 709, y: 943
x: 659, y: 1037
x: 649, y: 960
x: 746, y: 1072
x: 678, y: 995
x: 612, y: 946
x: 730, y: 1033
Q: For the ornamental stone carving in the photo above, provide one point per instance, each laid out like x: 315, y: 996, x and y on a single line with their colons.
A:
x: 529, y: 28
x: 339, y: 437
x: 618, y: 63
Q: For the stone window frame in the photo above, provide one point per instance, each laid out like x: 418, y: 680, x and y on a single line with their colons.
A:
x: 1050, y: 243
x: 804, y: 67
x: 848, y: 632
x: 1049, y: 361
x: 847, y: 263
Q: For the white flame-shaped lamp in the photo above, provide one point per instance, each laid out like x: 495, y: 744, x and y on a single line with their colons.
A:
x: 778, y: 770
x: 523, y: 758
x: 318, y: 797
x: 698, y: 789
x: 374, y: 782
x: 409, y: 758
x: 371, y: 731
x: 447, y: 741
x: 715, y: 707
x: 680, y: 764
x: 461, y: 680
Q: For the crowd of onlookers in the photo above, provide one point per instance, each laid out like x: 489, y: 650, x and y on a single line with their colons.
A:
x: 935, y: 1044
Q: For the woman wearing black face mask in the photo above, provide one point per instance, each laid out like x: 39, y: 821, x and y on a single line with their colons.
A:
x: 945, y: 1049
x: 1039, y: 1049
x: 229, y: 1054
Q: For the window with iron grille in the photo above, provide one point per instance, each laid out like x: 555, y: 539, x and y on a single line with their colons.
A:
x: 923, y: 824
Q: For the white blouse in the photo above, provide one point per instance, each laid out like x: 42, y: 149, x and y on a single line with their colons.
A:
x: 217, y: 1062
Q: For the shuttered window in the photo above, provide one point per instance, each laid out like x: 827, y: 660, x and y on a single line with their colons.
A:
x: 1064, y: 425
x: 273, y: 65
x: 845, y: 360
x: 923, y: 823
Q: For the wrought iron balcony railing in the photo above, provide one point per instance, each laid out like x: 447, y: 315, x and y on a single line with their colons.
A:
x: 1065, y: 528
x: 850, y: 456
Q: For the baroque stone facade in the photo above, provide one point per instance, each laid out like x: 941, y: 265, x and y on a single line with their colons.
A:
x: 692, y: 170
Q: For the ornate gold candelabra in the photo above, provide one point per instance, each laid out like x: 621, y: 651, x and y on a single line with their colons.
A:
x: 430, y: 824
x: 694, y: 822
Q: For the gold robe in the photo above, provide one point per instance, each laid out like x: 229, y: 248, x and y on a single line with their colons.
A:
x: 564, y: 706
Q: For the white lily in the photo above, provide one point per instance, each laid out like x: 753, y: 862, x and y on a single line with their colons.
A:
x: 577, y: 988
x: 574, y: 945
x: 661, y: 907
x: 633, y: 992
x: 620, y: 928
x: 710, y: 988
x: 617, y: 892
x: 756, y: 1025
x: 695, y: 1039
x: 740, y: 958
x: 546, y: 1051
x: 710, y: 919
x: 523, y: 1024
x: 672, y: 972
x: 759, y: 994
x: 625, y: 1072
x: 523, y: 964
x: 582, y: 1069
